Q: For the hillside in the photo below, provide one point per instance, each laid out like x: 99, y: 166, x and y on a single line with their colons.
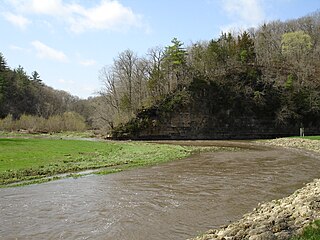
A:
x: 261, y: 83
x: 204, y: 112
x: 27, y: 103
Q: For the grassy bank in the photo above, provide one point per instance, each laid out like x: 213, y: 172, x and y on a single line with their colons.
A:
x: 35, y: 159
x: 312, y: 137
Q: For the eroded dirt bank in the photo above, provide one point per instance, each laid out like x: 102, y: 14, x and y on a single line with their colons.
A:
x: 278, y: 219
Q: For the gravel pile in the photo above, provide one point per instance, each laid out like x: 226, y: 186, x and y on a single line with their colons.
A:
x: 311, y: 145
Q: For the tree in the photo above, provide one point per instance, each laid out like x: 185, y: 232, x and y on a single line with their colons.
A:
x: 124, y: 67
x: 35, y: 77
x: 294, y: 44
x: 3, y: 84
x: 3, y: 63
x: 156, y: 82
x: 246, y: 48
x: 110, y: 90
x: 175, y: 59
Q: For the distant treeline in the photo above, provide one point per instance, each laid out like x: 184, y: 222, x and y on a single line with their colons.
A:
x: 23, y: 96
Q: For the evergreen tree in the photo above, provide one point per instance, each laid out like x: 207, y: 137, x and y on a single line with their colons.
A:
x: 175, y: 61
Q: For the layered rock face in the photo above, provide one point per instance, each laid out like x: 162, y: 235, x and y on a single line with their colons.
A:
x: 195, y: 122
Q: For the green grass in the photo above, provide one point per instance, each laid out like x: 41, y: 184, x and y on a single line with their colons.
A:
x: 311, y: 232
x: 312, y: 137
x: 307, y: 137
x: 35, y: 159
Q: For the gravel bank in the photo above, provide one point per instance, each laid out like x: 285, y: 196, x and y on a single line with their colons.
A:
x: 279, y: 219
x: 305, y: 144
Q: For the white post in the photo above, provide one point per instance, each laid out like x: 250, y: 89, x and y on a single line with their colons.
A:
x: 301, y: 132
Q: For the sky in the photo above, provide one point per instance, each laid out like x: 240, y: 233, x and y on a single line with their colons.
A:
x: 68, y: 41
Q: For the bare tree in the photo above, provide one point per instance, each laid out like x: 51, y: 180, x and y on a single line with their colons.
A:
x: 157, y: 83
x: 124, y: 68
x: 109, y: 90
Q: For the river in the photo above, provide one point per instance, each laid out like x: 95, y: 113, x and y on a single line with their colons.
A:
x: 176, y: 200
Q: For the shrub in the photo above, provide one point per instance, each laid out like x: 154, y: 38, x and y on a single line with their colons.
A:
x: 54, y: 124
x: 73, y: 122
x: 31, y: 123
x: 7, y: 124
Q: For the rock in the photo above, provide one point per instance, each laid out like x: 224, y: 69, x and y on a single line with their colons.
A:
x: 315, y: 205
x: 284, y: 235
x: 258, y: 230
x: 240, y: 234
x: 263, y: 236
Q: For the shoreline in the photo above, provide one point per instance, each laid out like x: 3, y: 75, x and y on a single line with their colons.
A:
x: 279, y: 219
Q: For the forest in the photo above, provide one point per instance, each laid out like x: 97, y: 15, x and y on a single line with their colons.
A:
x: 27, y: 103
x: 271, y: 70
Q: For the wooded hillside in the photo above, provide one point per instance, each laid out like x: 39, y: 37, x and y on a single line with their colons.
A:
x: 27, y: 103
x: 270, y: 72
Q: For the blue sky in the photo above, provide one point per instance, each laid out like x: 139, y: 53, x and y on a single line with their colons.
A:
x: 69, y: 41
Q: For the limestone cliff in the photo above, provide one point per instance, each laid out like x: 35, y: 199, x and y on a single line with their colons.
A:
x: 207, y: 110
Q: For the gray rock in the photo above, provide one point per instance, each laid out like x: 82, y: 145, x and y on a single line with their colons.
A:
x: 284, y: 235
x: 263, y: 236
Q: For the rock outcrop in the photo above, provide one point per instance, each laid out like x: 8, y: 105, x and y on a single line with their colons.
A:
x: 201, y: 114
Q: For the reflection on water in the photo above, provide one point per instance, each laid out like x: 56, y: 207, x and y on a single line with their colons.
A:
x: 177, y: 200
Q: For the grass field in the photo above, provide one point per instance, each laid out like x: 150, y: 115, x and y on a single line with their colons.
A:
x: 33, y: 159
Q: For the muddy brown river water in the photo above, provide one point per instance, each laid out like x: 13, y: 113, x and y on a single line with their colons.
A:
x: 176, y: 200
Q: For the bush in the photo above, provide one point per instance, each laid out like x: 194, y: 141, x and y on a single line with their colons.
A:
x: 31, y: 123
x: 7, y: 124
x: 73, y: 121
x: 54, y: 124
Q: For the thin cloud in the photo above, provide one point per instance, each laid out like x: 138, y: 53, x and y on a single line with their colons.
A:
x: 88, y: 63
x: 46, y: 52
x: 243, y: 13
x: 19, y: 49
x: 16, y: 20
x: 83, y: 90
x: 107, y: 15
x: 64, y: 81
x: 47, y: 7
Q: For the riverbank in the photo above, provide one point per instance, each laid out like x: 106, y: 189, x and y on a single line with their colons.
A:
x: 28, y: 159
x: 279, y: 219
x: 38, y: 160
